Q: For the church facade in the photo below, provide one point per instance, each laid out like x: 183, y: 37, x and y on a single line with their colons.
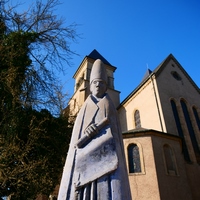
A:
x: 160, y: 122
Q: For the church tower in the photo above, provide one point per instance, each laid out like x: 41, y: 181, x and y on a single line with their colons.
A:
x: 82, y: 83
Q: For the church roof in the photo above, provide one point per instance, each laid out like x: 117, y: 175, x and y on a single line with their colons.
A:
x: 156, y: 72
x: 96, y: 55
x: 142, y: 132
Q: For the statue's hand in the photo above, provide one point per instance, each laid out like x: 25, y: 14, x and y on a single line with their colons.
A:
x: 91, y: 130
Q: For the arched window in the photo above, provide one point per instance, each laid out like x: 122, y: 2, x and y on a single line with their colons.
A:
x: 169, y: 160
x: 191, y: 130
x: 180, y: 131
x: 196, y: 117
x: 137, y: 119
x: 134, y: 159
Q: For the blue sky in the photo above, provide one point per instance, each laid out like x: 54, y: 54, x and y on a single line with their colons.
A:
x: 134, y: 35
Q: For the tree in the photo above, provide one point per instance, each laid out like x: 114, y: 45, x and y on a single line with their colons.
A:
x: 32, y: 154
x: 35, y: 44
x: 34, y: 135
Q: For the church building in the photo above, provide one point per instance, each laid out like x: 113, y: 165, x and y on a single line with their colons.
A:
x: 160, y: 122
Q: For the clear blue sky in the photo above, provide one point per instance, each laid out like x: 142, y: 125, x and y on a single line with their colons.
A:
x: 134, y: 34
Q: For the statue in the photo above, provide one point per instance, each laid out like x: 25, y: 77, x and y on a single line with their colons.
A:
x: 95, y: 167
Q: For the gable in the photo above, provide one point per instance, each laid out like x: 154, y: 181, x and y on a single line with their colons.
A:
x: 177, y: 71
x: 173, y: 81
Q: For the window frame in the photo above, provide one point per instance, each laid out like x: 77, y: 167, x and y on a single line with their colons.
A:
x: 142, y: 172
x: 169, y: 171
x: 137, y: 119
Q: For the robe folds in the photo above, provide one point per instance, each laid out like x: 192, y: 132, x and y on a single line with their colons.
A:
x: 97, y: 169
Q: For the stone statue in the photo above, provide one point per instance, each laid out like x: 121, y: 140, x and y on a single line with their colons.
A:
x: 95, y: 167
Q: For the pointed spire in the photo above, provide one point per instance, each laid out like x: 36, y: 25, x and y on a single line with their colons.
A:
x: 148, y: 72
x: 96, y: 55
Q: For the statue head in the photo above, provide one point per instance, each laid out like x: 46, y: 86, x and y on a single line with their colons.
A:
x: 98, y: 79
x: 98, y: 71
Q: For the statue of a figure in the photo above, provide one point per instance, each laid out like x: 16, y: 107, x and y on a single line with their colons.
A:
x: 95, y: 167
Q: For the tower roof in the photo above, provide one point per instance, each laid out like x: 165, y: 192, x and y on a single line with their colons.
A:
x: 96, y: 55
x: 148, y: 72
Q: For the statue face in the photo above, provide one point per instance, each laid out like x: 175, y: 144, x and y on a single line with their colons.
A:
x: 98, y: 88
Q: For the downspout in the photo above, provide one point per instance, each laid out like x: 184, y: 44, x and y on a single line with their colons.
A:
x: 159, y: 115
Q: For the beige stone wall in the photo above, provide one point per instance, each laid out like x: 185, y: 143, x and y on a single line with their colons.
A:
x: 193, y: 174
x: 143, y: 100
x: 171, y: 88
x: 154, y: 182
x: 77, y: 100
x: 173, y: 185
x: 114, y: 95
x: 143, y: 185
x: 82, y: 73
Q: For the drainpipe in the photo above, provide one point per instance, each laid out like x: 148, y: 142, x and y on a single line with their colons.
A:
x: 157, y: 102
